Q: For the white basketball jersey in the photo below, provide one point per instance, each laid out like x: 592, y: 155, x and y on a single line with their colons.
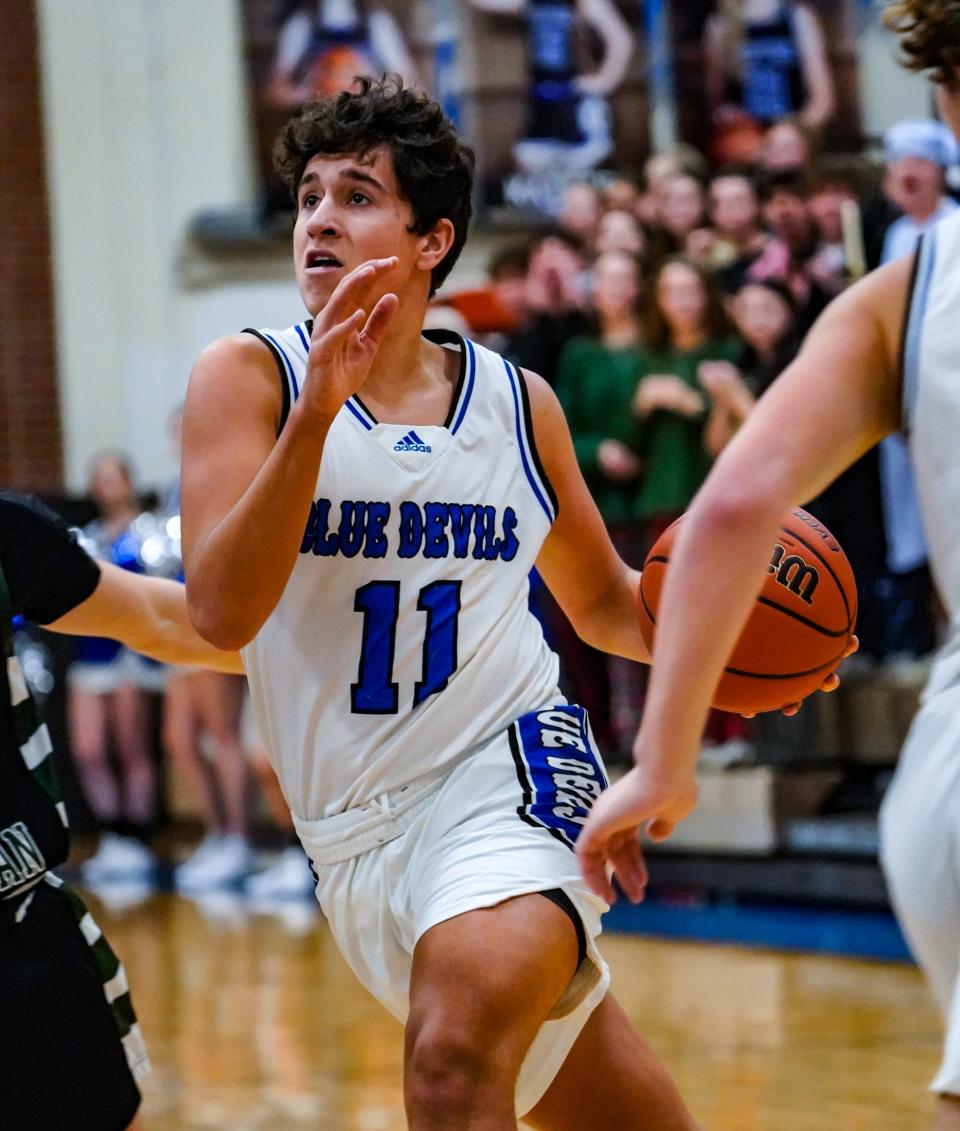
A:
x: 403, y: 637
x: 931, y: 416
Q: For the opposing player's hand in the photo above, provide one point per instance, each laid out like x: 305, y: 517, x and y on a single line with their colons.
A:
x: 609, y: 843
x: 345, y: 338
x: 831, y: 683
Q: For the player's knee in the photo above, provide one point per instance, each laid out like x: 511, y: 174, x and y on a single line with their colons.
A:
x: 450, y: 1066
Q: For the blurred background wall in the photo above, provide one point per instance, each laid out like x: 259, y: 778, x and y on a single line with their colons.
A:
x: 146, y: 119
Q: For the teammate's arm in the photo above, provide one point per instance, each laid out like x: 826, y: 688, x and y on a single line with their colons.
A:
x: 822, y: 101
x: 595, y: 588
x: 245, y: 493
x: 149, y: 615
x: 838, y: 398
x: 617, y: 40
x: 390, y: 47
x: 715, y: 62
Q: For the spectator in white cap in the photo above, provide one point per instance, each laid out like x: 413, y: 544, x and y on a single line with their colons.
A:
x: 917, y: 153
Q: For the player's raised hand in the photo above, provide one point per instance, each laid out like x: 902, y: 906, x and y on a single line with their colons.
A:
x: 609, y: 842
x: 345, y: 338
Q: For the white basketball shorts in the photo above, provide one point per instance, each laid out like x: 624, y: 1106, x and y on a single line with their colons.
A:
x: 920, y: 851
x: 501, y: 823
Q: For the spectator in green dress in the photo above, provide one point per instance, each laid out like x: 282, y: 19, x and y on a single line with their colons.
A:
x: 684, y: 325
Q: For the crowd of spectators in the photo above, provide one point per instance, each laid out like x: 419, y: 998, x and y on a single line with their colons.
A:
x: 662, y: 307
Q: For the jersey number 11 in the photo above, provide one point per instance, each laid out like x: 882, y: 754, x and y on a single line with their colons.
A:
x: 375, y: 693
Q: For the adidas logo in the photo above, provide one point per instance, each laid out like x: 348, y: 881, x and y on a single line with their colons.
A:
x: 411, y: 443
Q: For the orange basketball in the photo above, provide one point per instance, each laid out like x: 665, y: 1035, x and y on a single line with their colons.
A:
x: 800, y: 625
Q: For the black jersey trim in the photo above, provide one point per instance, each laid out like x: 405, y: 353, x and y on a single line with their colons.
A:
x: 282, y: 370
x: 439, y: 337
x: 918, y: 292
x: 356, y: 397
x: 532, y: 441
x: 905, y: 330
x: 559, y: 897
x: 905, y: 320
x: 451, y: 337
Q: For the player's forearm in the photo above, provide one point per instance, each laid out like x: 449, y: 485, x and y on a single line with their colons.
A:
x: 618, y: 50
x: 164, y: 631
x: 612, y: 625
x: 716, y: 570
x: 238, y: 573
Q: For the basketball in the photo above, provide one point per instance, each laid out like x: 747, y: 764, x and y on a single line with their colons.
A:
x: 799, y: 627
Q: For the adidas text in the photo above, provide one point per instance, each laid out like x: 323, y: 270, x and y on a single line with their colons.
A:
x: 411, y: 443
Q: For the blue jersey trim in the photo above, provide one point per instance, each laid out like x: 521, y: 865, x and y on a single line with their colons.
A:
x: 286, y: 361
x: 926, y: 262
x: 360, y: 410
x: 513, y: 377
x: 471, y: 375
x: 303, y: 338
x: 356, y: 412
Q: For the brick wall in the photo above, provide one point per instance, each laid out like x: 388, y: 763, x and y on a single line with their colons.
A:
x: 31, y: 454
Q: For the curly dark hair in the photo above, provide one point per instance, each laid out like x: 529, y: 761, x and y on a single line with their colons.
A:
x: 929, y: 32
x: 433, y: 167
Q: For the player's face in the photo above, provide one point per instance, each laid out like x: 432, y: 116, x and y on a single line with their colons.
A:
x: 348, y: 211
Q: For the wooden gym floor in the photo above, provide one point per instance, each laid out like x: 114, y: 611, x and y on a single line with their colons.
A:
x: 253, y: 1023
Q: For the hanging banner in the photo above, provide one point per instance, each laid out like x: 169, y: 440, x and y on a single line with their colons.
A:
x: 554, y: 91
x: 299, y: 49
x: 741, y: 65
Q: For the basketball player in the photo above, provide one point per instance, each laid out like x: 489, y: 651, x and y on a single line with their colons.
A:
x: 324, y: 44
x: 883, y: 357
x: 568, y: 124
x: 71, y: 1045
x: 362, y: 505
